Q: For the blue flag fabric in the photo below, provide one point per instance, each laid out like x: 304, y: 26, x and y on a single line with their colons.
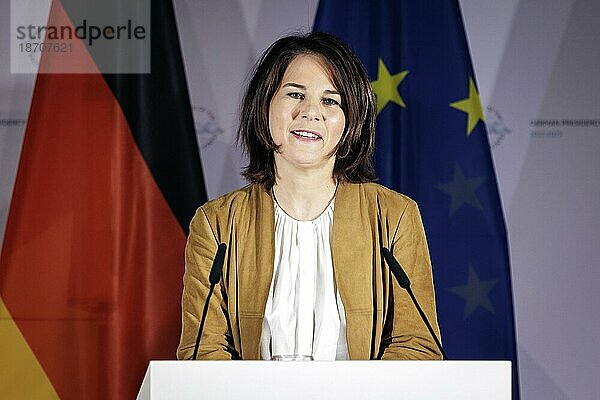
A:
x: 432, y: 145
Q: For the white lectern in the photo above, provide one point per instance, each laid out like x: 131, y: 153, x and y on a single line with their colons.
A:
x: 301, y: 380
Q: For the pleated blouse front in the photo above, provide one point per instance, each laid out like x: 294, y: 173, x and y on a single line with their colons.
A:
x: 304, y: 315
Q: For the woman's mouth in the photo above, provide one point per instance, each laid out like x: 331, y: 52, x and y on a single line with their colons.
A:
x: 306, y: 135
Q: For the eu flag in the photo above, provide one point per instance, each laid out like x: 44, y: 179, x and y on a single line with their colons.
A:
x: 432, y: 145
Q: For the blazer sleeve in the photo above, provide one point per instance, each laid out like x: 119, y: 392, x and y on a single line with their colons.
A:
x: 405, y: 335
x: 216, y: 342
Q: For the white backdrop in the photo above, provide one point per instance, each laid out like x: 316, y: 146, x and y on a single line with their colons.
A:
x: 536, y: 62
x: 539, y: 60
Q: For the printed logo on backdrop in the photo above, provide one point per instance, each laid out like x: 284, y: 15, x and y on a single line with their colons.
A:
x: 554, y: 128
x: 496, y: 127
x: 7, y: 122
x: 10, y: 121
x: 207, y: 128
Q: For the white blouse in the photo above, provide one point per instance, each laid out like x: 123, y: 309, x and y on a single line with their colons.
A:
x: 304, y: 314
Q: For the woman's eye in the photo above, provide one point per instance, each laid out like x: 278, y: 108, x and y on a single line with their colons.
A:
x: 296, y: 95
x: 330, y: 102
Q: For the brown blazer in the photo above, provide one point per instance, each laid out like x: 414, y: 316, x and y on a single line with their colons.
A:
x: 381, y: 320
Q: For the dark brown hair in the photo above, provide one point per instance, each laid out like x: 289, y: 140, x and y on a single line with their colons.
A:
x: 354, y: 152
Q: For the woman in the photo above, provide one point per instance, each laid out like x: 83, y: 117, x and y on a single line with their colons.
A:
x: 304, y: 275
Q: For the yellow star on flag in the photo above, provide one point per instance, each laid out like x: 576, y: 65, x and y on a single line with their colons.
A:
x: 386, y: 87
x: 472, y: 106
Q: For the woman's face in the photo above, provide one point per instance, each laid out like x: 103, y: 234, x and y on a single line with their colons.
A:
x: 305, y: 116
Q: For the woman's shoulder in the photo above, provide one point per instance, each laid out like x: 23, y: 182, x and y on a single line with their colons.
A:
x: 383, y: 196
x: 383, y: 203
x: 239, y: 199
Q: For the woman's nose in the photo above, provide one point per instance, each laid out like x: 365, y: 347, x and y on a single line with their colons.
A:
x: 309, y: 110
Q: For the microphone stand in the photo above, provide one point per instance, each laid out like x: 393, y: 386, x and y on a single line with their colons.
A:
x: 214, y: 277
x: 404, y: 283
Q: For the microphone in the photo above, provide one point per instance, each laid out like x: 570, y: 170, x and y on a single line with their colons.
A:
x: 404, y: 283
x: 214, y: 277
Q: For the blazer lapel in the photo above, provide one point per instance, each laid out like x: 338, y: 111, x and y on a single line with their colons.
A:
x: 265, y: 251
x: 256, y: 272
x: 352, y: 263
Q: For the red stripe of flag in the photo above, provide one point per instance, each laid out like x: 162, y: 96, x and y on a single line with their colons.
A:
x: 91, y: 263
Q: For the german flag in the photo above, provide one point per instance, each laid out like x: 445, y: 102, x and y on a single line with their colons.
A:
x: 92, y: 259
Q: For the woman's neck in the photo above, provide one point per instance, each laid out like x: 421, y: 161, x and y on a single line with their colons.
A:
x: 304, y: 195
